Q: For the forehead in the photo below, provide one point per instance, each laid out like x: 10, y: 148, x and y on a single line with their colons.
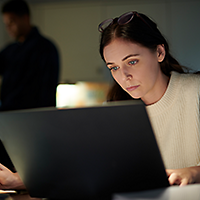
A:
x: 119, y: 48
x: 10, y: 17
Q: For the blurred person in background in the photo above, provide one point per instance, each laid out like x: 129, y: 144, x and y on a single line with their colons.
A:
x: 29, y: 66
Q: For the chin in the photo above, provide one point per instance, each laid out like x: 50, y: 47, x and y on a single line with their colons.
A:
x: 13, y: 36
x: 135, y: 96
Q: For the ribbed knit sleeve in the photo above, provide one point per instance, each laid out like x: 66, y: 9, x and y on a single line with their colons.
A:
x: 175, y: 121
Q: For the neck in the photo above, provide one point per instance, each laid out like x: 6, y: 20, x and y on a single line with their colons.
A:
x: 26, y: 32
x: 156, y: 94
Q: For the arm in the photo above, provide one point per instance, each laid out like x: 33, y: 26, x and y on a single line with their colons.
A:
x: 10, y: 180
x: 184, y: 176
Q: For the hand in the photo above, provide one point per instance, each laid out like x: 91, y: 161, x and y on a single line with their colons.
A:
x: 10, y: 180
x: 184, y: 176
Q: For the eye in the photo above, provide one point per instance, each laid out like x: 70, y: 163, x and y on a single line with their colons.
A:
x: 132, y: 62
x: 114, y: 68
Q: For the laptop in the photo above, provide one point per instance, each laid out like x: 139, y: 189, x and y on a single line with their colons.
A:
x: 84, y: 153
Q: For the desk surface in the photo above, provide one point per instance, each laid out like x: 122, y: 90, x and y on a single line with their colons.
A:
x: 17, y: 197
x: 171, y: 193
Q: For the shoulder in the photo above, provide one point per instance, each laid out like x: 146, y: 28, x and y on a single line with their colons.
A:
x: 9, y: 46
x: 45, y: 40
x: 186, y: 78
x: 8, y: 49
x: 42, y: 41
x: 186, y: 84
x: 48, y: 46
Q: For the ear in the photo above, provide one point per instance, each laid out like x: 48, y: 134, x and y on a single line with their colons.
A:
x: 160, y: 52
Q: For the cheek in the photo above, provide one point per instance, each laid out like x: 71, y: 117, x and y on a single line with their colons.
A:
x: 117, y: 77
x: 152, y: 67
x: 119, y: 80
x: 12, y: 28
x: 152, y: 76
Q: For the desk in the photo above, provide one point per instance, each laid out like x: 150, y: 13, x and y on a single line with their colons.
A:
x: 189, y: 192
x: 22, y: 197
x: 17, y: 197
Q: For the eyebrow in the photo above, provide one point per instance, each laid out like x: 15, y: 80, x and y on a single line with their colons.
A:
x: 125, y: 58
x: 129, y: 56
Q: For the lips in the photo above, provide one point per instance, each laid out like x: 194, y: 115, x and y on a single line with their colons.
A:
x: 132, y: 88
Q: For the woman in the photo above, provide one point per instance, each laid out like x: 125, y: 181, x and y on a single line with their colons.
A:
x: 138, y: 57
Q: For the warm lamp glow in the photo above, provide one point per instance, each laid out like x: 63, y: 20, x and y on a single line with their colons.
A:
x: 80, y: 94
x: 66, y: 95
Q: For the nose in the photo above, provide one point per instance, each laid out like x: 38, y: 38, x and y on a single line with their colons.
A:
x: 126, y: 74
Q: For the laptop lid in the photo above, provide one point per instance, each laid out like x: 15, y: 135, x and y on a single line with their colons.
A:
x: 84, y: 153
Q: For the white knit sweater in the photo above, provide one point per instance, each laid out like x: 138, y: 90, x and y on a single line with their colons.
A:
x: 175, y: 121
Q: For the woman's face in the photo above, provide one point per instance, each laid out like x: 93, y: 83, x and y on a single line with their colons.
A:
x: 136, y: 69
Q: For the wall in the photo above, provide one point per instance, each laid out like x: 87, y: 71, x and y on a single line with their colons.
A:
x: 72, y: 25
x: 74, y: 28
